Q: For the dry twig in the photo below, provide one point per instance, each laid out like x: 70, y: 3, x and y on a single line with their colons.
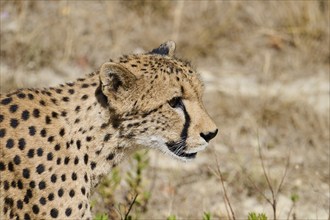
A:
x: 226, y: 198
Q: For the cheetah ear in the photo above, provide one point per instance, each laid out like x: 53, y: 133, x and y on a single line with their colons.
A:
x: 167, y: 49
x: 115, y: 77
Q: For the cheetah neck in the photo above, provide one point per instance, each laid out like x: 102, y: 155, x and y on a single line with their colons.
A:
x: 88, y: 132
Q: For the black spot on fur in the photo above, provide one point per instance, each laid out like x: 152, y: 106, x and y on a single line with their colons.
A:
x: 35, y: 209
x: 21, y: 95
x: 2, y: 132
x: 19, y: 204
x: 78, y: 143
x: 40, y: 152
x: 53, y: 100
x: 11, y: 166
x: 74, y: 176
x: 30, y: 96
x: 65, y: 99
x: 50, y: 156
x: 53, y: 178
x: 93, y: 165
x: 13, y: 108
x: 25, y: 115
x: 42, y: 201
x: 14, y: 123
x: 57, y: 147
x: 66, y: 160
x: 43, y: 132
x: 86, y: 158
x: 21, y: 143
x: 60, y: 192
x: 2, y: 166
x: 51, y: 196
x: 71, y: 193
x: 47, y: 119
x: 42, y: 185
x: 36, y: 113
x: 62, y: 132
x: 6, y: 101
x: 9, y: 201
x: 30, y: 153
x: 54, y: 213
x: 84, y: 97
x: 27, y: 216
x: 40, y: 168
x: 42, y: 102
x: 50, y: 139
x: 54, y: 114
x: 83, y: 190
x: 20, y: 184
x: 107, y: 137
x: 64, y: 113
x: 68, y: 210
x: 10, y: 143
x: 110, y: 156
x: 76, y: 160
x: 32, y: 130
x: 26, y: 173
x: 17, y: 160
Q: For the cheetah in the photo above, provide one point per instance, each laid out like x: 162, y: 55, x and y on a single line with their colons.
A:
x: 57, y: 142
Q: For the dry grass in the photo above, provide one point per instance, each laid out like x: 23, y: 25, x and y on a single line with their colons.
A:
x: 266, y: 67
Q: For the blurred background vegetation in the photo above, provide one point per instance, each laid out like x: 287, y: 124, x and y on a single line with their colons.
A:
x: 266, y: 69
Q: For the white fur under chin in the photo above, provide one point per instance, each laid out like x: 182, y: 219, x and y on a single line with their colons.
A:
x: 159, y: 143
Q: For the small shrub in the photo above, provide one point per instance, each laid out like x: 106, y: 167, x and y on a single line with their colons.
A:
x: 207, y: 216
x: 257, y: 216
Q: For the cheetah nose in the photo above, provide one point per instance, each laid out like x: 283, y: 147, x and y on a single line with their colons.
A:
x: 208, y: 136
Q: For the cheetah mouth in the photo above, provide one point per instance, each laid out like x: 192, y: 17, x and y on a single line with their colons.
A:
x: 178, y: 150
x: 187, y: 155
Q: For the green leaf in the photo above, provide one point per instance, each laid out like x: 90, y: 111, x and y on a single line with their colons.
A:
x: 255, y: 216
x: 207, y: 216
x: 171, y: 217
x: 101, y: 217
x: 294, y: 198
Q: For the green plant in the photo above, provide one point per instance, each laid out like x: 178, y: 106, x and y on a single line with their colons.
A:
x: 106, y: 190
x: 257, y: 216
x: 101, y: 217
x: 136, y: 197
x: 207, y: 216
x: 294, y: 200
x: 171, y: 217
x: 134, y: 180
x: 109, y: 185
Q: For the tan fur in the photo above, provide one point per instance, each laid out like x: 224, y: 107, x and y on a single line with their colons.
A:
x: 105, y: 116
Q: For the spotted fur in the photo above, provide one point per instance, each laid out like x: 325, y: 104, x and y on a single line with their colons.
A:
x: 57, y: 142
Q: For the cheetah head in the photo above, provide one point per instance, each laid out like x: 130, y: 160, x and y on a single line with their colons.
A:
x: 155, y: 101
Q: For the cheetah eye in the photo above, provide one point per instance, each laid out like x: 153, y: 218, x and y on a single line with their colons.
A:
x: 175, y: 102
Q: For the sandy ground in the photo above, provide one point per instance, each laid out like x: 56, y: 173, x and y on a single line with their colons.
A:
x: 266, y: 71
